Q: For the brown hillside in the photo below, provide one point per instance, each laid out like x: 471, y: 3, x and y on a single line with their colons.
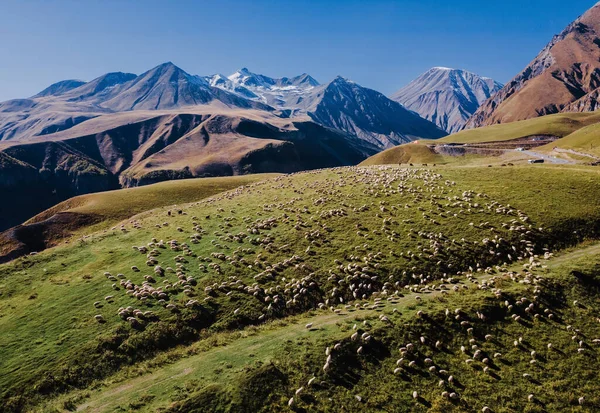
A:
x: 565, y: 71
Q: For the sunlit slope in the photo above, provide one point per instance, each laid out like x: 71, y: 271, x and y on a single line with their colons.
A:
x: 86, y: 213
x: 558, y: 125
x: 117, y: 205
x: 409, y: 153
x: 269, y: 251
x: 468, y: 345
x: 585, y: 140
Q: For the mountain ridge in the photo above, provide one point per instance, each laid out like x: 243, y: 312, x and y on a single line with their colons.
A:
x: 565, y: 71
x: 445, y: 96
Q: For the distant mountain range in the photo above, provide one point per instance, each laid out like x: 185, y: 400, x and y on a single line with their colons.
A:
x: 339, y: 104
x: 564, y: 77
x: 447, y: 97
x: 122, y: 129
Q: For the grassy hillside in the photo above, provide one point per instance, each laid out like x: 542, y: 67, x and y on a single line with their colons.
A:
x: 263, y: 369
x: 114, y: 206
x: 420, y: 154
x: 409, y: 153
x: 87, y: 213
x: 585, y: 140
x: 559, y: 125
x: 240, y: 275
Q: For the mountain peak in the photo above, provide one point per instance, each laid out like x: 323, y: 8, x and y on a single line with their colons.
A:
x: 167, y: 66
x: 447, y: 97
x: 60, y: 88
x: 341, y: 79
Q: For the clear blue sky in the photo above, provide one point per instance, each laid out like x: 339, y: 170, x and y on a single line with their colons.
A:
x: 379, y: 44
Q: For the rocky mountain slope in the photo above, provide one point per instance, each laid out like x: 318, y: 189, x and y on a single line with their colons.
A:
x: 167, y: 87
x: 340, y: 104
x: 131, y: 149
x: 563, y: 77
x: 447, y: 97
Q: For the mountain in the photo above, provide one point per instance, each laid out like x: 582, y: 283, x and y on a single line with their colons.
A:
x: 564, y: 76
x: 143, y: 147
x: 59, y: 88
x: 122, y: 130
x: 68, y: 103
x: 340, y: 104
x: 246, y: 78
x: 163, y: 87
x: 366, y: 113
x: 447, y: 97
x: 281, y: 93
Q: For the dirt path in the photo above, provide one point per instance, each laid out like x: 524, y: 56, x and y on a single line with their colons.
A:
x: 548, y: 158
x: 571, y: 151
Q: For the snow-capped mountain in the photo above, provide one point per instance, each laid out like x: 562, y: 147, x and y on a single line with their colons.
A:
x: 447, y: 97
x: 122, y: 129
x: 282, y: 93
x: 340, y: 104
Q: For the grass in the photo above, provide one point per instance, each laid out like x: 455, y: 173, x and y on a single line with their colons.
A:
x: 409, y: 153
x: 115, y: 206
x: 420, y: 154
x: 86, y: 214
x: 291, y: 349
x: 559, y: 125
x: 278, y: 239
x: 585, y: 140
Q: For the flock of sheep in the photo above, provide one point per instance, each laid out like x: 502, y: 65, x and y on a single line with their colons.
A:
x: 346, y: 239
x: 418, y: 358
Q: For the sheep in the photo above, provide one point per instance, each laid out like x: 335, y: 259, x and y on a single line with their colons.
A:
x: 309, y: 326
x: 531, y: 398
x: 415, y: 395
x: 99, y: 318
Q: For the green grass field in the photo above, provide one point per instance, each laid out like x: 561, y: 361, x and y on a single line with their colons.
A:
x: 560, y: 125
x: 268, y: 258
x: 585, y: 140
x: 409, y: 153
x: 86, y: 214
x: 115, y: 206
